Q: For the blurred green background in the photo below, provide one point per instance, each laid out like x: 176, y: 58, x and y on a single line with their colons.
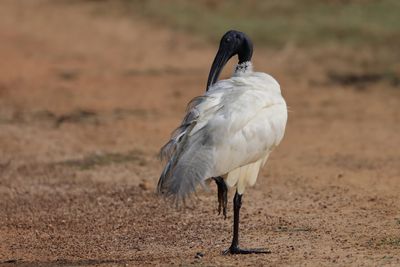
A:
x: 363, y: 34
x: 275, y: 23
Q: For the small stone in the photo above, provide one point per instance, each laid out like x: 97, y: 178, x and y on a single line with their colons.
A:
x: 144, y: 185
x: 199, y: 255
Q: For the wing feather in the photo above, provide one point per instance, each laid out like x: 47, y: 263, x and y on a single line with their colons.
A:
x: 189, y: 152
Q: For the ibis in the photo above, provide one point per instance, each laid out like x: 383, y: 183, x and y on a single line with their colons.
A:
x: 227, y: 134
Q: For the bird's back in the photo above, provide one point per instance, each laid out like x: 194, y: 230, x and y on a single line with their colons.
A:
x: 235, y: 124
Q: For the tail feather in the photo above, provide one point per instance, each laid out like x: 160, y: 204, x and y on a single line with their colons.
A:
x: 185, y: 171
x: 233, y: 177
x: 241, y: 184
x: 188, y: 153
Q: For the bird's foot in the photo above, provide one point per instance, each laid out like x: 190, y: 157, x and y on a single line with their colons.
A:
x: 222, y: 195
x: 237, y: 250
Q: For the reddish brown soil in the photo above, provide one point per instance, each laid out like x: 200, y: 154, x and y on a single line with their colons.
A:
x: 87, y: 99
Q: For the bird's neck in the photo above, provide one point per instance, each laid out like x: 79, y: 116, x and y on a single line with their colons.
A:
x: 243, y: 69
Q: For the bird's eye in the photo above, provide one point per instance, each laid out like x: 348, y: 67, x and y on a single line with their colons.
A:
x: 228, y: 40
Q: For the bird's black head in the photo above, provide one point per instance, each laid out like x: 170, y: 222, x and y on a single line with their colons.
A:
x: 232, y: 43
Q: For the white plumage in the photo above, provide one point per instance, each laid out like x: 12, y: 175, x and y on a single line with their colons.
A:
x: 229, y: 132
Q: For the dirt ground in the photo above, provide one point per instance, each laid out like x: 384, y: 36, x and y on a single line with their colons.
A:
x: 88, y: 97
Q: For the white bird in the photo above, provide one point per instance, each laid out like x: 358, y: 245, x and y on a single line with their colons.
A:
x: 227, y: 134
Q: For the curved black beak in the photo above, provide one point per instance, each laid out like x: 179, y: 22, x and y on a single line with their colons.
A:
x: 222, y: 57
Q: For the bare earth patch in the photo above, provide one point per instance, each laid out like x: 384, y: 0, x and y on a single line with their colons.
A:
x: 86, y: 101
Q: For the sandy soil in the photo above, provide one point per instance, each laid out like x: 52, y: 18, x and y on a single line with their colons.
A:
x: 87, y: 98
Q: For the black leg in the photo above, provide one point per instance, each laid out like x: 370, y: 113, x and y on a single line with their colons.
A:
x: 234, y: 248
x: 222, y: 195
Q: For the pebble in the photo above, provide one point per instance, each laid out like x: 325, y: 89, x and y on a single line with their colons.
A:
x: 199, y: 255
